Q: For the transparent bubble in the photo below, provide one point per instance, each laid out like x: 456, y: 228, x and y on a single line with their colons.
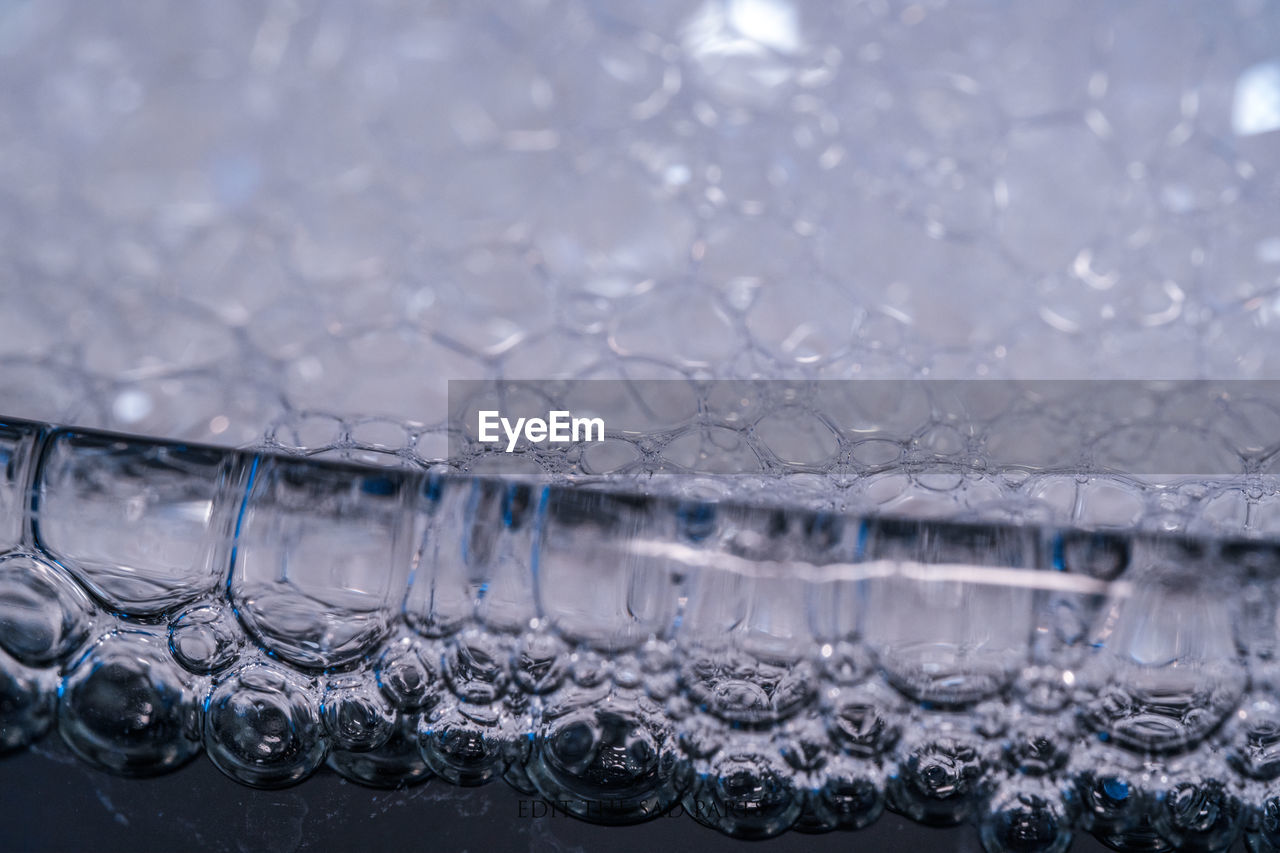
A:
x: 409, y: 673
x: 475, y: 666
x: 605, y: 758
x: 1108, y: 798
x: 44, y: 615
x: 866, y: 720
x: 803, y: 743
x: 205, y: 639
x: 941, y: 780
x: 1167, y: 670
x: 1026, y: 818
x: 627, y: 671
x: 1263, y: 836
x: 356, y: 716
x: 1038, y: 746
x: 629, y: 598
x: 847, y: 663
x: 539, y: 663
x: 848, y: 793
x: 109, y: 513
x: 396, y: 762
x: 26, y: 704
x: 464, y: 744
x: 262, y: 726
x: 1199, y: 813
x: 1043, y: 688
x: 1252, y: 738
x: 702, y: 736
x: 1117, y: 800
x: 660, y: 675
x: 745, y: 793
x: 948, y: 642
x: 319, y: 558
x: 588, y: 668
x: 126, y: 707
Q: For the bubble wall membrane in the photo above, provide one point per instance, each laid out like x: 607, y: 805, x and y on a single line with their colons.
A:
x: 245, y: 246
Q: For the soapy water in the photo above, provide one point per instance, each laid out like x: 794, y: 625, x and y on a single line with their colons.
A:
x: 622, y: 655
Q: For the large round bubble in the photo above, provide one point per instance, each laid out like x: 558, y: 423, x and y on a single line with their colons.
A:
x: 262, y: 726
x: 44, y: 614
x: 607, y: 759
x: 127, y: 707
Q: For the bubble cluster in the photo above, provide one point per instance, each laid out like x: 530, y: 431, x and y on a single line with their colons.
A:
x: 303, y: 221
x: 286, y: 227
x: 771, y: 670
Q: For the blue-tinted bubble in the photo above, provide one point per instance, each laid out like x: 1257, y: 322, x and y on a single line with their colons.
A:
x: 1024, y: 817
x: 262, y: 726
x: 463, y: 744
x: 1252, y: 738
x: 613, y: 749
x: 126, y: 706
x: 849, y: 793
x: 409, y: 673
x: 44, y: 614
x: 940, y: 781
x: 475, y: 666
x: 356, y: 715
x: 539, y: 663
x: 745, y: 794
x: 205, y: 639
x: 1263, y: 833
x: 865, y: 720
x: 26, y: 704
x: 396, y: 762
x: 1200, y: 815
